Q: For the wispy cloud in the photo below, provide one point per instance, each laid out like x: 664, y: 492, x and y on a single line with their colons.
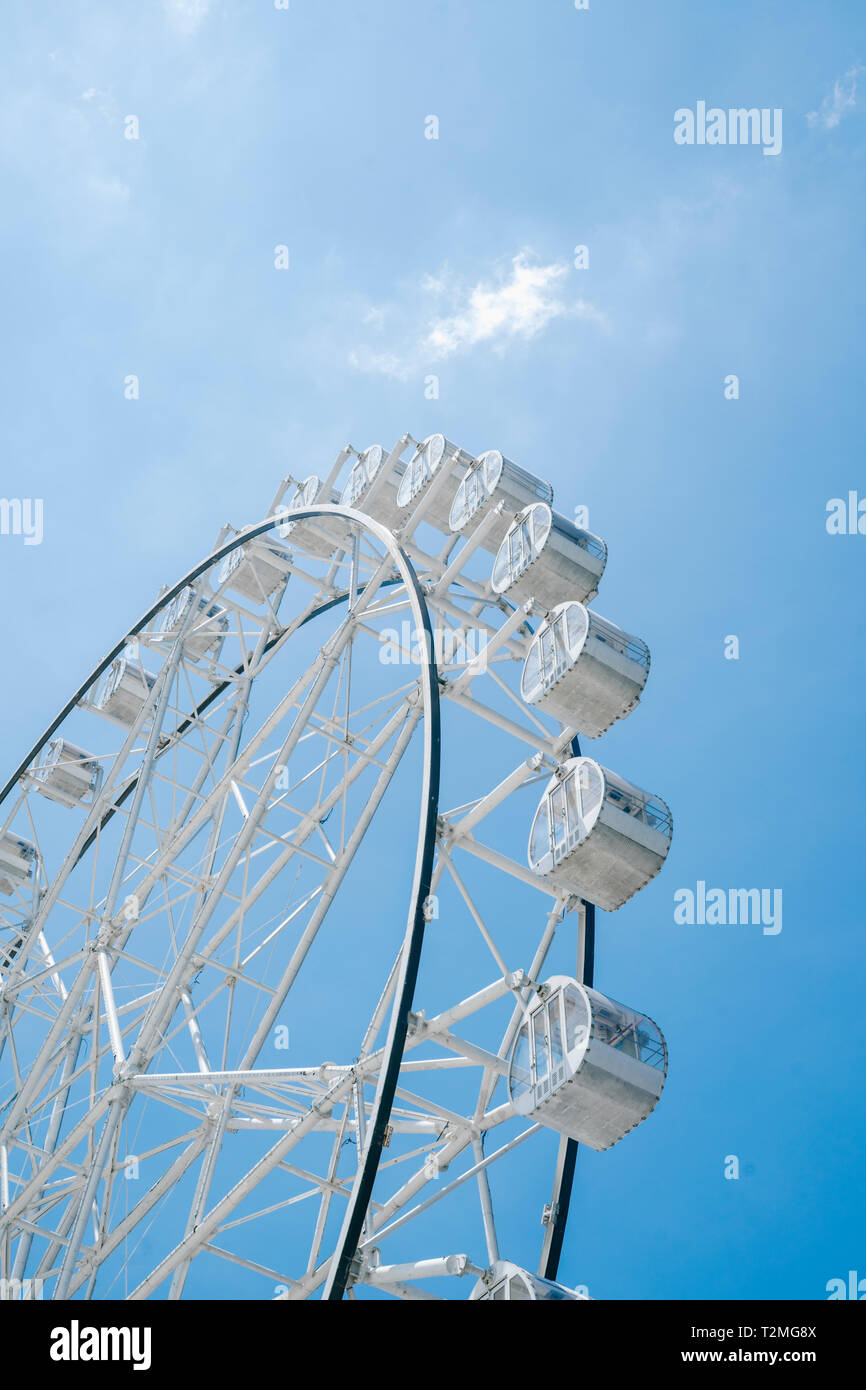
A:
x: 186, y: 16
x: 839, y: 101
x: 101, y: 102
x: 454, y: 316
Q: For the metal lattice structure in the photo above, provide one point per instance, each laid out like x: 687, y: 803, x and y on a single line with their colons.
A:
x: 226, y: 854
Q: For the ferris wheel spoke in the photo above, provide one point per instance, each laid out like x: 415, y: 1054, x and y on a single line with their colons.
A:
x: 211, y: 1222
x: 115, y: 1238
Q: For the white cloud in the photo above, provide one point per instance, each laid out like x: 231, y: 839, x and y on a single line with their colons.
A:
x: 521, y: 307
x: 186, y: 15
x: 517, y: 305
x: 839, y: 101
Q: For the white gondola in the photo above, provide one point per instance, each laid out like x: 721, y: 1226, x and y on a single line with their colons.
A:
x: 359, y: 486
x: 205, y: 632
x: 319, y: 536
x: 125, y: 689
x: 17, y: 861
x: 583, y: 670
x: 505, y: 1281
x: 493, y: 479
x: 67, y: 774
x: 598, y: 836
x: 585, y: 1065
x: 255, y: 569
x: 435, y: 458
x: 547, y: 558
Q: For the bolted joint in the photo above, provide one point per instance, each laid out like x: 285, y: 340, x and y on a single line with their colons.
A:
x: 550, y: 1213
x: 356, y: 1269
x: 416, y: 1023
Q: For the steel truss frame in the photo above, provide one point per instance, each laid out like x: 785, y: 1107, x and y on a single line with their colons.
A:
x: 61, y: 1197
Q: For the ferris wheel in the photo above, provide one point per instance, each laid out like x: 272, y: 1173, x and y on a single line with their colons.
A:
x: 297, y: 902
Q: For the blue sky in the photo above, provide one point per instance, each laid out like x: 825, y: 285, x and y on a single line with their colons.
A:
x: 409, y: 257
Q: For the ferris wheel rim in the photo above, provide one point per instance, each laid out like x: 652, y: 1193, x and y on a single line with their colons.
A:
x: 411, y: 946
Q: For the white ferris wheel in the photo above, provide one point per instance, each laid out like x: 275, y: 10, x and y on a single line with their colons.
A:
x: 286, y: 1008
